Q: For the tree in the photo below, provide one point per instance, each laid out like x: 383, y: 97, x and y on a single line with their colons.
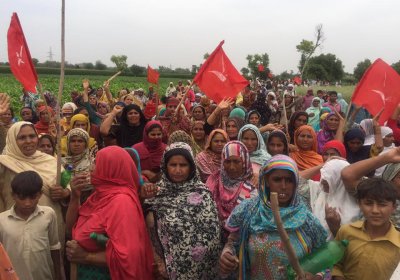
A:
x: 99, y: 65
x: 137, y: 70
x: 35, y: 61
x: 195, y: 68
x: 396, y: 66
x: 307, y: 48
x: 325, y: 67
x: 254, y: 60
x: 120, y: 62
x: 360, y: 69
x: 206, y: 55
x: 87, y: 65
x: 245, y: 71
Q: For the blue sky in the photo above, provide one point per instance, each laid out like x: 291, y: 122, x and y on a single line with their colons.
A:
x: 179, y: 32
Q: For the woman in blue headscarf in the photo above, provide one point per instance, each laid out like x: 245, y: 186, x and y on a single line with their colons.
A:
x: 254, y: 245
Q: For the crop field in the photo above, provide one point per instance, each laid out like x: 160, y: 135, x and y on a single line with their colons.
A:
x: 74, y: 83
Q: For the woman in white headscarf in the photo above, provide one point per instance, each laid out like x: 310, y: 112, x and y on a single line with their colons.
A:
x: 388, y: 144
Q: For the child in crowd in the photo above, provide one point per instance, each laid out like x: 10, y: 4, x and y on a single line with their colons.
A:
x: 374, y: 244
x: 29, y: 231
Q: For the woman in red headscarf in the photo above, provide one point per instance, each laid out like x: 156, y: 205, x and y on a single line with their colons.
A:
x: 175, y: 119
x: 46, y: 114
x: 151, y: 150
x: 114, y: 210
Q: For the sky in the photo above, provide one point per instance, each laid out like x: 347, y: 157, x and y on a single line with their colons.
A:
x: 178, y: 33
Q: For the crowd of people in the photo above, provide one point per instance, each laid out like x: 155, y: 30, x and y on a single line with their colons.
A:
x: 177, y: 186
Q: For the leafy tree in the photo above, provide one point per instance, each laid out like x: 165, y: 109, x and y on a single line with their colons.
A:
x: 285, y: 75
x: 195, y: 68
x: 307, y: 48
x: 99, y: 65
x: 254, y: 60
x: 361, y: 67
x: 164, y: 69
x: 137, y: 70
x: 396, y: 66
x: 245, y: 71
x: 35, y: 61
x: 206, y: 55
x: 87, y: 65
x: 120, y: 61
x: 325, y: 67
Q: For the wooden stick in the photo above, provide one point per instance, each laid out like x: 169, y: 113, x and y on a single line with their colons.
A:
x: 285, y: 117
x: 294, y: 262
x: 114, y: 76
x: 184, y: 97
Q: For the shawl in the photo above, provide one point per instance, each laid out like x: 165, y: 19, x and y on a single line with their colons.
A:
x: 251, y: 113
x: 291, y: 125
x: 261, y: 107
x: 225, y: 191
x: 255, y: 215
x: 325, y: 135
x: 337, y: 196
x: 150, y: 150
x: 136, y: 159
x: 259, y: 156
x: 42, y: 126
x: 314, y: 120
x: 238, y: 113
x: 363, y: 152
x: 198, y: 146
x: 239, y: 123
x: 181, y: 123
x: 367, y: 126
x: 207, y: 161
x: 34, y: 116
x: 273, y: 104
x: 187, y: 222
x: 310, y: 158
x: 114, y: 209
x: 180, y: 136
x: 129, y: 135
x: 281, y: 135
x: 337, y: 145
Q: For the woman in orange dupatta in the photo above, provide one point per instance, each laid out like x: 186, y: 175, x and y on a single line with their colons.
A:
x: 306, y: 156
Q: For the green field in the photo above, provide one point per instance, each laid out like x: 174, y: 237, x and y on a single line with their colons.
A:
x: 50, y: 83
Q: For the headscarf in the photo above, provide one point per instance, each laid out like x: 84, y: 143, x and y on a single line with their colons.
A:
x: 81, y: 118
x: 337, y: 145
x: 42, y: 126
x: 187, y: 221
x: 207, y: 161
x: 260, y: 106
x: 314, y: 121
x: 225, y: 190
x: 69, y: 105
x: 130, y: 135
x: 391, y: 171
x: 292, y: 120
x: 337, y: 197
x: 180, y: 136
x: 306, y: 159
x: 34, y: 116
x: 368, y: 127
x: 251, y: 113
x: 106, y: 105
x: 363, y: 152
x: 238, y: 113
x: 260, y: 155
x: 136, y: 159
x: 281, y: 135
x: 202, y: 109
x: 114, y: 209
x: 325, y: 135
x: 274, y: 104
x: 150, y: 150
x: 343, y: 104
x: 258, y: 216
x: 198, y: 146
x: 238, y: 122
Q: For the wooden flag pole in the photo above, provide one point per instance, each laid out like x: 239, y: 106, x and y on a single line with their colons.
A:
x: 293, y: 260
x: 114, y: 76
x: 184, y: 97
x: 285, y: 117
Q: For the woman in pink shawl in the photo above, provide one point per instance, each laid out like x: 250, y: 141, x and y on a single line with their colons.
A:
x: 231, y: 184
x: 150, y: 150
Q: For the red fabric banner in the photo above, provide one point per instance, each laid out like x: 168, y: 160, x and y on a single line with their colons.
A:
x: 19, y: 56
x: 297, y: 80
x: 260, y: 68
x: 218, y: 78
x: 378, y: 88
x: 152, y: 75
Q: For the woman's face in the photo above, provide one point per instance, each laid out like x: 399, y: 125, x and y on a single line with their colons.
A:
x: 45, y: 146
x: 332, y: 122
x: 249, y: 139
x: 233, y: 167
x: 6, y: 117
x: 128, y: 100
x: 77, y: 145
x: 198, y: 132
x: 275, y: 146
x: 178, y: 169
x: 388, y: 140
x: 133, y: 117
x: 315, y: 103
x: 45, y: 116
x: 301, y: 120
x: 102, y: 109
x: 254, y: 119
x: 198, y: 114
x: 354, y: 145
x: 67, y: 113
x: 92, y: 100
x: 26, y: 114
x: 217, y: 143
x: 27, y: 140
x: 282, y: 182
x: 305, y: 141
x: 330, y: 153
x: 232, y: 130
x: 288, y: 99
x: 81, y: 124
x: 155, y: 133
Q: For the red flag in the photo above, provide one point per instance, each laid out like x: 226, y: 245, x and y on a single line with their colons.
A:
x: 270, y: 75
x: 152, y: 75
x: 260, y: 68
x: 218, y: 78
x: 19, y: 56
x: 377, y: 89
x: 297, y: 80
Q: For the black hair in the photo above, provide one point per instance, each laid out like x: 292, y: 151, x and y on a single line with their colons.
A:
x: 331, y: 92
x: 50, y: 138
x: 181, y: 152
x: 376, y: 189
x: 79, y: 110
x: 26, y: 184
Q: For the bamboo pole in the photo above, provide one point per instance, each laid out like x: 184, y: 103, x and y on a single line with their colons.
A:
x: 294, y: 262
x: 114, y: 76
